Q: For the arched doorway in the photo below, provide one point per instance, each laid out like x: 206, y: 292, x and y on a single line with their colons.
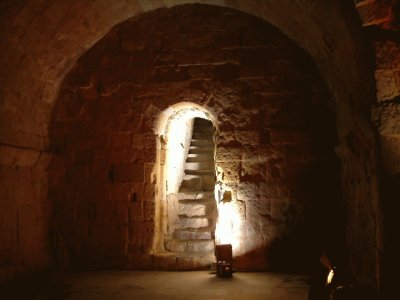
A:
x: 187, y: 207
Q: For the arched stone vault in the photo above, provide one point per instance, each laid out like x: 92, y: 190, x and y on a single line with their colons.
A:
x: 44, y: 39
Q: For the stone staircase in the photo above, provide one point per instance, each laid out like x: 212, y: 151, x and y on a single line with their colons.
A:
x: 196, y: 204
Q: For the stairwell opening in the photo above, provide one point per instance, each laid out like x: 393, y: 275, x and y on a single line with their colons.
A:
x: 187, y: 205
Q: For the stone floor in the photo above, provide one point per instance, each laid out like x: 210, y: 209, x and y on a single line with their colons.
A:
x: 163, y: 285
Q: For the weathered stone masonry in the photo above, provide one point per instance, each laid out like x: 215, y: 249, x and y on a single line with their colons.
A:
x: 41, y: 42
x: 272, y: 120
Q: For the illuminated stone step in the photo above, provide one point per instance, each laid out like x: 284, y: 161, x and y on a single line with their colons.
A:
x: 191, y: 209
x: 201, y: 150
x: 200, y: 172
x: 201, y: 142
x: 194, y: 222
x: 195, y: 195
x: 193, y: 246
x: 202, y: 135
x: 198, y: 165
x: 204, y: 182
x: 194, y: 234
x: 199, y: 157
x: 203, y: 201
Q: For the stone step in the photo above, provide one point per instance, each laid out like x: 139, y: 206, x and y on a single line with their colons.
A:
x: 195, y: 195
x: 204, y: 201
x: 204, y: 182
x: 208, y: 129
x: 202, y: 135
x: 200, y: 172
x: 202, y: 142
x: 201, y: 121
x: 203, y: 126
x: 199, y: 165
x: 190, y: 245
x: 198, y: 157
x: 194, y: 234
x: 194, y: 222
x: 192, y: 209
x: 201, y: 150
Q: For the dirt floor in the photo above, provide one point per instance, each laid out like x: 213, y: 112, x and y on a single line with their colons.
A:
x: 158, y: 285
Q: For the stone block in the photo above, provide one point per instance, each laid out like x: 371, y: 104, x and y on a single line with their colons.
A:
x: 250, y: 154
x: 253, y: 171
x: 27, y: 215
x: 389, y: 119
x: 387, y: 86
x: 118, y: 155
x: 227, y: 154
x: 201, y: 71
x: 135, y: 155
x: 387, y: 55
x: 248, y: 137
x: 373, y: 12
x: 279, y: 207
x: 265, y: 206
x: 228, y: 171
x: 77, y: 176
x: 11, y: 156
x: 390, y: 149
x: 148, y: 191
x: 121, y: 192
x: 128, y: 172
x: 271, y: 190
x: 169, y: 74
x: 150, y: 173
x: 287, y: 117
x: 226, y: 71
x: 289, y: 136
x: 192, y: 210
x: 190, y: 246
x: 136, y: 211
x: 187, y: 234
x: 143, y: 140
x: 82, y: 156
x: 269, y: 230
x: 150, y: 155
x: 120, y: 139
x: 148, y: 210
x: 194, y: 222
x: 121, y: 216
x: 248, y: 191
x: 99, y: 172
x: 72, y: 104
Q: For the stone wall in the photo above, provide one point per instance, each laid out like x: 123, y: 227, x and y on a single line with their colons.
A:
x: 274, y: 146
x: 43, y: 39
x: 24, y: 213
x: 381, y: 20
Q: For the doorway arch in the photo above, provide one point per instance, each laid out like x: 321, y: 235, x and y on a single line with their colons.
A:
x: 186, y: 209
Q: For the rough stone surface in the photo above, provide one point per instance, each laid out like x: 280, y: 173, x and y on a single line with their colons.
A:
x: 44, y: 39
x: 25, y: 212
x: 255, y: 103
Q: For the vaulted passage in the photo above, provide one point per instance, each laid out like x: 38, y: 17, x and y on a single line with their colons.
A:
x: 140, y: 173
x: 141, y: 134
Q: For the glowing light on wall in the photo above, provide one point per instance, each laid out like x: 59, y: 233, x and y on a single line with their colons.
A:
x: 229, y: 225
